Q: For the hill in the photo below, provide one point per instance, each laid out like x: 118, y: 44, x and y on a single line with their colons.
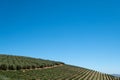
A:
x: 10, y: 62
x: 117, y: 75
x: 27, y: 68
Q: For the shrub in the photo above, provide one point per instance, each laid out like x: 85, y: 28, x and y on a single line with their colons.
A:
x: 3, y: 67
x: 11, y: 67
x: 33, y: 66
x: 18, y: 67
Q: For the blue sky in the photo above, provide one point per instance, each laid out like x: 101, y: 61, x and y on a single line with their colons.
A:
x: 78, y: 32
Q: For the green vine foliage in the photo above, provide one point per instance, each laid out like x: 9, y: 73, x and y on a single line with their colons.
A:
x: 9, y: 62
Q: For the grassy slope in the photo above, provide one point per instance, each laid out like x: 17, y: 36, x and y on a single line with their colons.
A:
x: 64, y: 72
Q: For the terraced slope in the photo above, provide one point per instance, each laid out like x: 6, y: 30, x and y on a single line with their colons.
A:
x: 57, y: 72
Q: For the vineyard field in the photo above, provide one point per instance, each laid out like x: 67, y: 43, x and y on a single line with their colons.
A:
x: 50, y: 71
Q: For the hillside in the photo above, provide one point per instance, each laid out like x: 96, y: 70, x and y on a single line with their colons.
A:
x: 27, y: 68
x: 9, y: 62
x: 117, y: 75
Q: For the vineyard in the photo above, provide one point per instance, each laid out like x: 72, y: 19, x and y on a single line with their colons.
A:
x: 8, y: 62
x: 51, y: 70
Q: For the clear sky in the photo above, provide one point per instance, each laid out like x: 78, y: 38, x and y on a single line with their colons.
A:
x: 79, y: 32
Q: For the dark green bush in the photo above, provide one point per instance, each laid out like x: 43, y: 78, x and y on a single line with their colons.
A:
x: 3, y: 67
x: 18, y: 67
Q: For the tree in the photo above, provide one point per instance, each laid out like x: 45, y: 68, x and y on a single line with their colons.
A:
x: 3, y: 67
x: 18, y: 67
